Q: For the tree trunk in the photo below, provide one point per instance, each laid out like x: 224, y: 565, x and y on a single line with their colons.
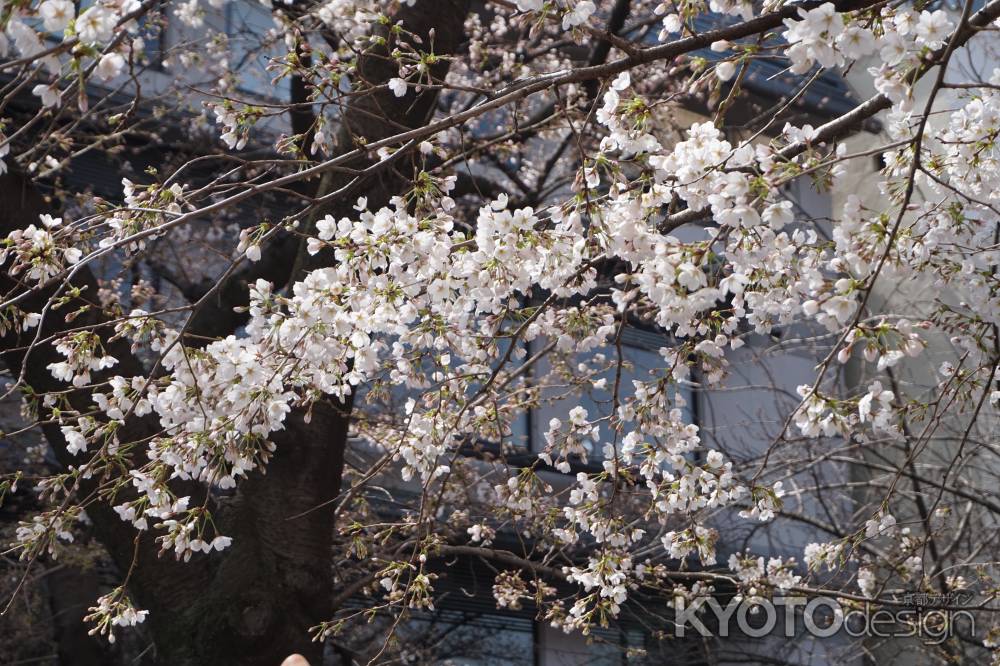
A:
x: 254, y: 603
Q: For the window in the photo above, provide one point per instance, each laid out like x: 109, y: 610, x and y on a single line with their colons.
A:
x: 153, y: 30
x: 449, y: 638
x: 604, y: 647
x: 254, y: 42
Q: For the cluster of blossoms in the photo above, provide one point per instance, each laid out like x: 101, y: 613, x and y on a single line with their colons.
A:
x: 604, y: 583
x: 700, y: 540
x: 906, y: 563
x: 570, y: 443
x: 154, y: 501
x: 907, y: 37
x: 45, y: 532
x: 469, y: 323
x: 755, y: 576
x: 673, y: 20
x: 820, y: 38
x: 84, y: 352
x: 408, y: 287
x: 970, y: 144
x: 348, y: 17
x: 574, y: 12
x: 146, y: 212
x: 822, y: 414
x: 36, y: 252
x: 406, y: 290
x: 114, y: 609
x: 818, y: 555
x: 823, y: 37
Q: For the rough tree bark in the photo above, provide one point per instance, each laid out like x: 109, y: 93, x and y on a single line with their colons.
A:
x: 253, y: 603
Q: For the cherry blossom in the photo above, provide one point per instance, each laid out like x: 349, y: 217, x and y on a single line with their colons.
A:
x: 520, y: 307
